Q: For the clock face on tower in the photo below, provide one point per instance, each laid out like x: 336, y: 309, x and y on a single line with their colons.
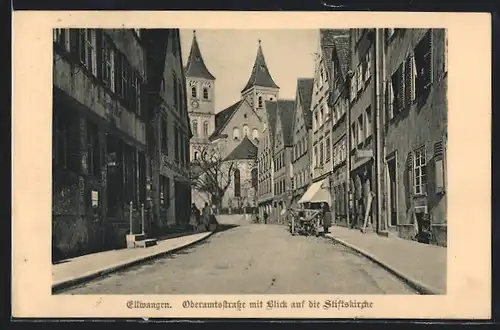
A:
x: 195, y: 104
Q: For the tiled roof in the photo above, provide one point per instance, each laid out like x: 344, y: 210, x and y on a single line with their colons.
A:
x: 222, y: 117
x: 305, y: 88
x: 342, y: 48
x: 196, y: 66
x: 272, y: 111
x: 245, y: 150
x: 327, y: 41
x: 260, y: 75
x: 286, y: 110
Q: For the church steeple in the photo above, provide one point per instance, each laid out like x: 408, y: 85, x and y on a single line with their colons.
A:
x: 196, y: 66
x: 260, y: 75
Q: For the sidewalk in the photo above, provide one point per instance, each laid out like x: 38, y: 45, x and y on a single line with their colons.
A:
x: 422, y: 266
x: 80, y: 269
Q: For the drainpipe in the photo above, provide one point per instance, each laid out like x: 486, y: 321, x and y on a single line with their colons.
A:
x: 379, y: 69
x: 347, y: 90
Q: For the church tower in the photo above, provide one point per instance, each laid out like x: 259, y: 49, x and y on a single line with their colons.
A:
x: 260, y: 86
x: 200, y: 84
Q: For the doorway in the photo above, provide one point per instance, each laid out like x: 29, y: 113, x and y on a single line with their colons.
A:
x: 392, y: 194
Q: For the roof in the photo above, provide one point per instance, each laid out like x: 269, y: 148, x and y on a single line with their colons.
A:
x: 272, y: 111
x: 286, y: 111
x: 222, y: 117
x: 340, y: 54
x: 305, y: 89
x: 260, y: 75
x: 245, y: 150
x: 196, y: 66
x: 327, y: 42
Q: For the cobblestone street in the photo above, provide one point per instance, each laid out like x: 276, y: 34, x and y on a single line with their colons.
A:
x: 253, y: 259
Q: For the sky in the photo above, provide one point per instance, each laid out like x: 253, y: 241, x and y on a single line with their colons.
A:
x: 230, y: 54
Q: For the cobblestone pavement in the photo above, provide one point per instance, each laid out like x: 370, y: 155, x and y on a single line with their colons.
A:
x: 253, y: 259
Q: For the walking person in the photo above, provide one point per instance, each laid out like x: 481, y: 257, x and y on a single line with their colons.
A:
x: 206, y: 215
x: 265, y: 217
x: 327, y: 217
x: 195, y: 216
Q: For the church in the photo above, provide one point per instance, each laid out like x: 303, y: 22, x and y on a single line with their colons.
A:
x: 234, y: 131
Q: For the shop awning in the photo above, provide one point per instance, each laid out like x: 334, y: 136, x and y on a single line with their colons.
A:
x: 317, y: 193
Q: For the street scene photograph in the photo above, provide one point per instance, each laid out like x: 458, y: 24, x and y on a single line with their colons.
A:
x: 212, y: 161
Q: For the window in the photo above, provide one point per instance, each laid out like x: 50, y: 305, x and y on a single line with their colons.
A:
x: 316, y: 156
x: 360, y: 129
x: 236, y: 133
x: 135, y: 92
x: 321, y: 153
x: 368, y: 128
x: 87, y: 50
x: 353, y: 135
x: 359, y: 78
x: 195, y: 155
x: 322, y: 76
x: 260, y: 102
x: 409, y: 80
x: 316, y: 122
x: 205, y: 128
x: 108, y: 64
x: 164, y: 136
x: 255, y: 133
x: 205, y: 93
x: 321, y: 114
x: 122, y: 70
x: 176, y: 143
x: 193, y: 91
x: 195, y: 128
x: 245, y: 130
x: 423, y: 62
x: 59, y: 37
x: 389, y: 101
x: 398, y: 88
x: 327, y: 150
x: 419, y: 171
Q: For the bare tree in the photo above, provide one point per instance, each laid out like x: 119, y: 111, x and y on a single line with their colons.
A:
x: 211, y: 173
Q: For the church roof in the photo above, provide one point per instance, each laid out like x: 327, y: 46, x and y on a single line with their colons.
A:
x: 286, y: 111
x: 245, y: 150
x: 196, y: 66
x: 305, y: 89
x: 260, y: 75
x: 222, y: 117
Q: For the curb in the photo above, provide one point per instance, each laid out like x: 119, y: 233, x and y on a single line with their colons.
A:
x: 416, y: 285
x: 99, y: 273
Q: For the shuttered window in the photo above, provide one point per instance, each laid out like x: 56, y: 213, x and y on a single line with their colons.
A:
x: 398, y: 88
x: 419, y: 171
x: 410, y: 73
x: 423, y: 62
x: 389, y: 96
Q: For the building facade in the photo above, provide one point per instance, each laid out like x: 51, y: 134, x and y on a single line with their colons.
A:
x: 168, y: 128
x: 416, y: 131
x: 283, y: 169
x: 339, y: 103
x: 99, y: 138
x: 301, y: 140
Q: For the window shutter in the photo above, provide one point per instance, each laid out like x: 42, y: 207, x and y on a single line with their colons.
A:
x: 368, y: 65
x: 413, y: 88
x: 439, y: 166
x: 353, y: 88
x: 409, y: 167
x: 112, y: 78
x: 390, y: 100
x: 401, y: 100
x: 360, y: 76
x: 431, y: 58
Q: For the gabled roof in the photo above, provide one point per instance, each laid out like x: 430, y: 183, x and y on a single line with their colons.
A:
x: 327, y: 43
x: 305, y: 91
x: 272, y: 113
x: 260, y: 75
x: 222, y: 117
x: 245, y: 150
x: 342, y: 60
x: 286, y: 111
x: 196, y: 66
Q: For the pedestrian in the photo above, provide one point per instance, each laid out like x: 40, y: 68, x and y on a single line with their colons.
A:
x: 206, y: 215
x: 265, y: 217
x: 195, y: 216
x: 327, y: 217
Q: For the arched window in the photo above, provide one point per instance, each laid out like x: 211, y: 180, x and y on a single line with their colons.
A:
x: 255, y: 133
x: 205, y: 93
x: 245, y: 130
x: 261, y: 102
x: 205, y: 128
x: 255, y: 179
x: 193, y: 91
x: 236, y: 133
x: 195, y: 128
x: 237, y: 183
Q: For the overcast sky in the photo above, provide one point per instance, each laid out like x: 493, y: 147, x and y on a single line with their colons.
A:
x: 230, y: 55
